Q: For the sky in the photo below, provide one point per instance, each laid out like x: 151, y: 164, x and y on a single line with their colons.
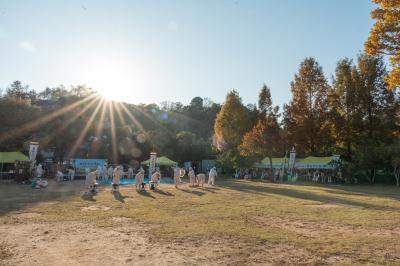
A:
x: 154, y: 51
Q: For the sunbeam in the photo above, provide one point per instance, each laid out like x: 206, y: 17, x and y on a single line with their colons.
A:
x: 85, y: 130
x: 121, y: 118
x: 101, y: 120
x: 45, y: 119
x: 68, y: 122
x: 133, y: 119
x: 113, y: 133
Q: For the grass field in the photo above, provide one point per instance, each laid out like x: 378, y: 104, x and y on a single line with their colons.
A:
x: 236, y: 222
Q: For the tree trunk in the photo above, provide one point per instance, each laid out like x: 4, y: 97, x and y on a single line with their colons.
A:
x: 371, y: 176
x: 396, y: 173
x: 272, y: 170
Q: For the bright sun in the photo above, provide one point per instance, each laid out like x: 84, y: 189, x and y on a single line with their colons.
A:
x: 113, y: 79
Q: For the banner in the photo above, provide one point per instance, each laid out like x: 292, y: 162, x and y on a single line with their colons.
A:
x: 87, y: 163
x: 152, y: 163
x: 33, y: 149
x: 292, y: 159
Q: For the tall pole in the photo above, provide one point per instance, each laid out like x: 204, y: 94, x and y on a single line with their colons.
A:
x: 152, y: 163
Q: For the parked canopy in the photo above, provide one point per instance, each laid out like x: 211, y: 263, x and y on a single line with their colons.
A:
x: 311, y: 162
x: 162, y: 161
x: 277, y: 163
x: 11, y: 157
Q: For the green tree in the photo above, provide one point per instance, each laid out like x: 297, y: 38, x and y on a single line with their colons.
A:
x: 370, y: 158
x: 384, y: 37
x: 17, y: 91
x: 265, y: 101
x: 394, y: 151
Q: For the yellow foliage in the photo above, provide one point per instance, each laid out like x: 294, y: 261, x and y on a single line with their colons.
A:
x: 385, y: 37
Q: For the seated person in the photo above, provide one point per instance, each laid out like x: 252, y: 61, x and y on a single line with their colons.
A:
x: 59, y: 176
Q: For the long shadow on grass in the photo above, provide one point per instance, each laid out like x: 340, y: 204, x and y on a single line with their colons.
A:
x: 16, y: 197
x: 383, y: 191
x: 164, y: 193
x: 88, y: 196
x: 145, y: 194
x: 304, y: 195
x: 194, y: 192
x: 208, y: 189
x: 118, y: 196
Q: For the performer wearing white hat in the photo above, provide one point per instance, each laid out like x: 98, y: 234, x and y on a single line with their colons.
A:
x: 59, y: 176
x: 192, y: 177
x: 110, y: 172
x: 90, y: 181
x: 99, y: 172
x: 212, y: 175
x: 178, y: 174
x: 105, y: 172
x: 155, y: 179
x: 201, y: 179
x: 139, y: 180
x: 130, y: 173
x: 118, y: 173
x: 71, y: 174
x: 39, y: 171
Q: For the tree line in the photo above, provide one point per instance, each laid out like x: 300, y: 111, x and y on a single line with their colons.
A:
x: 181, y: 132
x: 356, y: 116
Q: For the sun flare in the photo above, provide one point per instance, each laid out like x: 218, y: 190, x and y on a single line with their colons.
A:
x: 115, y: 80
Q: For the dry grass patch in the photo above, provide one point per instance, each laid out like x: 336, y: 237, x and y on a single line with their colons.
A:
x: 236, y: 223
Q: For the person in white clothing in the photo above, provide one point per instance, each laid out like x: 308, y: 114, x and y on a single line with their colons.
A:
x: 130, y: 173
x: 110, y: 172
x: 104, y: 172
x: 39, y: 171
x: 99, y: 172
x: 71, y: 174
x: 59, y: 176
x: 212, y: 175
x: 178, y: 174
x: 118, y: 173
x: 155, y: 179
x: 139, y: 180
x: 201, y: 179
x: 192, y: 177
x: 90, y: 181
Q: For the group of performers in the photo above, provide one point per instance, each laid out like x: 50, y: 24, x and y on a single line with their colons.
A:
x: 117, y: 173
x: 199, y: 180
x: 104, y: 173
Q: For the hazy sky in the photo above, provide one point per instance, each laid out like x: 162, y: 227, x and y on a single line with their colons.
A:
x: 151, y: 51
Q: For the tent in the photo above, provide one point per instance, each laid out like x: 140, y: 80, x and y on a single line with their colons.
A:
x: 311, y: 162
x: 277, y: 163
x: 11, y: 157
x: 162, y: 161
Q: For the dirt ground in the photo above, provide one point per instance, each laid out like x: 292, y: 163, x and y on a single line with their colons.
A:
x: 61, y: 226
